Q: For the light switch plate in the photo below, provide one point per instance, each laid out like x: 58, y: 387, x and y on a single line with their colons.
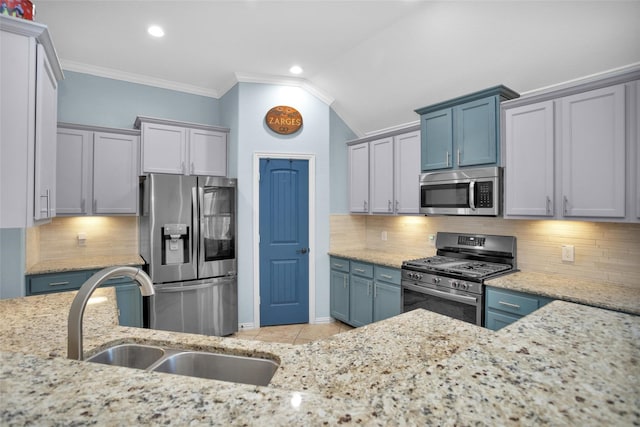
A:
x: 568, y: 253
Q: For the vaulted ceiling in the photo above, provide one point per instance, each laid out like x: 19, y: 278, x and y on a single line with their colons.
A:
x: 376, y: 60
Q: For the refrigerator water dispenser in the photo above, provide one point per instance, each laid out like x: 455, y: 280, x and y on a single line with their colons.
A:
x: 175, y: 244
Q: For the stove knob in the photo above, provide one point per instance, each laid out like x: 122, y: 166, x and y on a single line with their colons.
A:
x: 435, y: 279
x: 463, y: 286
x: 455, y: 285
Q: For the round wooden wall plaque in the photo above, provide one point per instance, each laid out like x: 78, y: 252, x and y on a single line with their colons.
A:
x: 284, y: 120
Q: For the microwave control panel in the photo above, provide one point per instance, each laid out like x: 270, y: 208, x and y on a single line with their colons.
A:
x: 484, y: 194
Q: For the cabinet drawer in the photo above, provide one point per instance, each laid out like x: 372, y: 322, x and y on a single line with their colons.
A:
x: 340, y: 264
x: 513, y: 303
x: 385, y: 274
x: 56, y: 282
x: 362, y: 269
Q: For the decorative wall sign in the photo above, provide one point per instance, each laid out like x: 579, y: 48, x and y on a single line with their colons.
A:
x: 283, y: 120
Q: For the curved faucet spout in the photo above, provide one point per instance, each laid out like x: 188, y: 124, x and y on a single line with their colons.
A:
x: 74, y: 340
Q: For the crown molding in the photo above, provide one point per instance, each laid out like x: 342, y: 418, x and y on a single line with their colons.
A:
x: 284, y: 81
x: 110, y: 73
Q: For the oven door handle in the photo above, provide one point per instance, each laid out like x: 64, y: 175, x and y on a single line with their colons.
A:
x: 446, y: 295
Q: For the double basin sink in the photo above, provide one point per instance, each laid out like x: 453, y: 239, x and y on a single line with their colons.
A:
x: 216, y: 366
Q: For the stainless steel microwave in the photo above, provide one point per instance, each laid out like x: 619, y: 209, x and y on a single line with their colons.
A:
x: 476, y: 191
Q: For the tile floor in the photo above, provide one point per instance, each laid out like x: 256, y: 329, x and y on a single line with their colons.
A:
x: 293, y: 334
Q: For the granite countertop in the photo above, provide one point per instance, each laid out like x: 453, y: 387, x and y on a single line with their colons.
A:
x: 85, y: 263
x: 563, y: 364
x: 582, y: 291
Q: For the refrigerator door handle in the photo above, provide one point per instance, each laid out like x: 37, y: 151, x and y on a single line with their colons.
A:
x: 195, y: 225
x: 200, y: 221
x: 184, y: 288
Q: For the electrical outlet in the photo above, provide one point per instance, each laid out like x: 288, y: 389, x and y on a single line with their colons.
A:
x: 568, y: 253
x: 383, y: 236
x: 432, y: 240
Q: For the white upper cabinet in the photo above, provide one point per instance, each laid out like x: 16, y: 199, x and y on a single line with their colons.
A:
x: 381, y: 176
x: 179, y: 148
x: 97, y: 171
x: 593, y: 153
x: 571, y: 152
x: 407, y: 173
x: 115, y: 174
x: 529, y: 172
x: 29, y: 75
x: 359, y: 178
x: 384, y: 174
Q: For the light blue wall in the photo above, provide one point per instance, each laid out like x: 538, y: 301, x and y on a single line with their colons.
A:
x: 254, y: 100
x: 12, y: 253
x: 339, y: 134
x: 91, y: 100
x: 229, y: 111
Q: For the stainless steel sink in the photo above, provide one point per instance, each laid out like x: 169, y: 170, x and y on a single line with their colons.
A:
x: 223, y: 367
x: 129, y: 355
x: 216, y: 366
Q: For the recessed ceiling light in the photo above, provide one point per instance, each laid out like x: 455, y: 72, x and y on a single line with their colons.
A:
x: 296, y: 69
x: 155, y: 31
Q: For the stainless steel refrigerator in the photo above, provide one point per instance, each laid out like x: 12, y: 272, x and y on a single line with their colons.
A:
x: 188, y: 234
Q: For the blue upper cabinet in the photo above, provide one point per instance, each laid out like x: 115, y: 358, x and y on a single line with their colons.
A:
x: 463, y: 131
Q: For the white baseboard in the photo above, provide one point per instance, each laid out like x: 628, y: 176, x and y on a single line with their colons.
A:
x: 245, y: 326
x: 324, y: 320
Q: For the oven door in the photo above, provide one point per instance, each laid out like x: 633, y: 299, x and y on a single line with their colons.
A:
x: 462, y: 307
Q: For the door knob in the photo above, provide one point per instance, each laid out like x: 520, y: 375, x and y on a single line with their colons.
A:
x: 302, y: 251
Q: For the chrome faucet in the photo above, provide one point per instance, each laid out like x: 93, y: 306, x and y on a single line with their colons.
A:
x: 74, y: 340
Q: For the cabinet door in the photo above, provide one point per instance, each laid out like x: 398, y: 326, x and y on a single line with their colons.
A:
x: 207, y: 153
x: 339, y: 305
x: 164, y: 149
x: 593, y: 153
x: 360, y: 301
x: 475, y: 136
x: 45, y: 147
x: 407, y: 173
x: 386, y: 301
x: 73, y: 172
x: 381, y: 173
x: 529, y: 165
x: 129, y: 304
x: 495, y: 320
x: 115, y: 177
x: 359, y: 178
x: 437, y: 140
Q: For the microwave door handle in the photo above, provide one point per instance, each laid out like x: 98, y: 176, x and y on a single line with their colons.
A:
x: 472, y: 195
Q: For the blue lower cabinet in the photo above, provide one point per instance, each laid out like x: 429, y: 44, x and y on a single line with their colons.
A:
x: 503, y: 307
x: 128, y: 297
x: 362, y: 293
x: 360, y: 301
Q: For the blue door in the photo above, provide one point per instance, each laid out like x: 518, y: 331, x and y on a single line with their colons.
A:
x: 284, y: 241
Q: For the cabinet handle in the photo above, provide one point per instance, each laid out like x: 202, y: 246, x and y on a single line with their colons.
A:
x: 58, y: 283
x: 458, y: 156
x: 338, y: 265
x: 117, y: 277
x: 375, y: 292
x: 193, y: 168
x: 446, y: 158
x: 365, y: 205
x: 389, y: 206
x: 508, y: 304
x: 45, y: 210
x: 397, y: 206
x: 182, y: 168
x: 548, y: 205
x: 565, y: 201
x: 369, y: 289
x: 386, y: 276
x: 359, y: 270
x: 95, y: 205
x: 344, y: 280
x: 82, y: 205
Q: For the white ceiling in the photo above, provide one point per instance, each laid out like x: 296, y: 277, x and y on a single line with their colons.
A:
x: 377, y: 60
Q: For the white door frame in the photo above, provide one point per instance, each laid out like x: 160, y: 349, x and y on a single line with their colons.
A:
x: 311, y: 158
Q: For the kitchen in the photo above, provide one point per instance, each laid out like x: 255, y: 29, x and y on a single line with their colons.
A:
x: 605, y: 251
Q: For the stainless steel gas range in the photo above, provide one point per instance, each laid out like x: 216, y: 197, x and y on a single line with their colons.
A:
x: 452, y: 282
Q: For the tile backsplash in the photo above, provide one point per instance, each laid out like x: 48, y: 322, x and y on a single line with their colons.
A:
x: 105, y: 236
x: 608, y: 252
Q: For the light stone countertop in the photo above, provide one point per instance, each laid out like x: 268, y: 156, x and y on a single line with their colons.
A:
x: 565, y: 364
x: 85, y: 263
x: 388, y: 259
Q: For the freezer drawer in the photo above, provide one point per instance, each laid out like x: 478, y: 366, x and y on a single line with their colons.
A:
x: 207, y: 307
